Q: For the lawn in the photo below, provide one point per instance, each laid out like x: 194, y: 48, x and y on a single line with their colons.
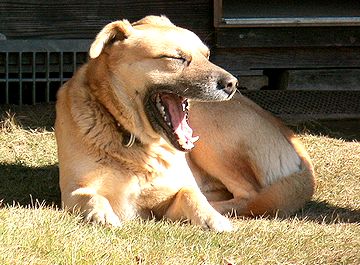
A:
x: 34, y: 231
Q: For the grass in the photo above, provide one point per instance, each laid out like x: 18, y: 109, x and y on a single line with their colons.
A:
x: 34, y: 231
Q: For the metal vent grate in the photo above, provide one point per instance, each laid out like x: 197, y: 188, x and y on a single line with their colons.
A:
x: 31, y: 71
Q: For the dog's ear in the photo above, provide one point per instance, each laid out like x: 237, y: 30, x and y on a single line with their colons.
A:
x: 118, y: 30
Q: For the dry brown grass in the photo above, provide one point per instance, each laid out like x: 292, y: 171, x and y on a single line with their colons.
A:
x: 326, y: 231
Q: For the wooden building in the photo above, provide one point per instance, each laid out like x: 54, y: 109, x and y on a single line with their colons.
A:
x: 296, y: 52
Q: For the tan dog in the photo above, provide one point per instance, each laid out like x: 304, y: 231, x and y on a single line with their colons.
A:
x: 122, y: 134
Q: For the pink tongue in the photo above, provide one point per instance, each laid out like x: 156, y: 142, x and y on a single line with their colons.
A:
x: 178, y: 121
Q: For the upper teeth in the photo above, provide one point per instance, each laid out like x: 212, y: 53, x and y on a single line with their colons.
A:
x: 161, y: 109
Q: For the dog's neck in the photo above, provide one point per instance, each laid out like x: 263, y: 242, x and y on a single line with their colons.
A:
x: 128, y: 138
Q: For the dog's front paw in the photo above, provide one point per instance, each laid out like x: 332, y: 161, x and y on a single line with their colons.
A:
x: 103, y: 217
x: 219, y: 223
x: 99, y: 211
x: 214, y: 221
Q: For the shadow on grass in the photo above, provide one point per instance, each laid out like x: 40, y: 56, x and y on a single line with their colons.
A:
x: 24, y: 185
x: 30, y: 116
x: 346, y: 129
x: 324, y: 212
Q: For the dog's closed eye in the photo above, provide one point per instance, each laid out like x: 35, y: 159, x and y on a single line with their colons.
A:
x: 180, y: 58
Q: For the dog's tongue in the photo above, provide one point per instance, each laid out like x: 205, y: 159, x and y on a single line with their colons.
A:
x: 182, y: 129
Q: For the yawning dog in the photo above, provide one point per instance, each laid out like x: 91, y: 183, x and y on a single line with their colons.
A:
x: 126, y: 144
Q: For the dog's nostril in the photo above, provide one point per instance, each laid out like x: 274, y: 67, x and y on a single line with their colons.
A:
x: 228, y: 84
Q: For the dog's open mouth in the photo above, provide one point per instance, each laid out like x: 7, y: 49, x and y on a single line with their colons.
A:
x: 170, y: 112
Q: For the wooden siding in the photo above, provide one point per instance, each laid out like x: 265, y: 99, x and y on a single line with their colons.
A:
x: 83, y: 19
x: 236, y: 49
x: 241, y: 59
x: 288, y: 37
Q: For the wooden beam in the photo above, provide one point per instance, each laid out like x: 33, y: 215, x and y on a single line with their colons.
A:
x: 287, y: 58
x: 288, y: 37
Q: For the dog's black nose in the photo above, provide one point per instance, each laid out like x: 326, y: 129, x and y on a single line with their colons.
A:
x: 228, y: 84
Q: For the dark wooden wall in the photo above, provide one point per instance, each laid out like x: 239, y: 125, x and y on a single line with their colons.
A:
x: 236, y: 49
x: 83, y: 19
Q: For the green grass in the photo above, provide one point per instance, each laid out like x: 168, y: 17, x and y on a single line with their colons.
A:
x: 34, y: 231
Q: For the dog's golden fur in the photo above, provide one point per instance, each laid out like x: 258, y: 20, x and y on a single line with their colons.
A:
x: 117, y: 160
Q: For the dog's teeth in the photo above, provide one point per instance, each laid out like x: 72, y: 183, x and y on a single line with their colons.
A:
x: 186, y: 105
x: 162, y: 110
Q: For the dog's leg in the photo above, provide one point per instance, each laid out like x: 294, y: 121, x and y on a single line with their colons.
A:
x: 94, y: 208
x: 284, y: 196
x: 191, y: 204
x: 233, y: 207
x: 281, y: 198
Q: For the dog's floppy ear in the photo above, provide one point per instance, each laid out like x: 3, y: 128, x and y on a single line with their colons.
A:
x: 118, y: 30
